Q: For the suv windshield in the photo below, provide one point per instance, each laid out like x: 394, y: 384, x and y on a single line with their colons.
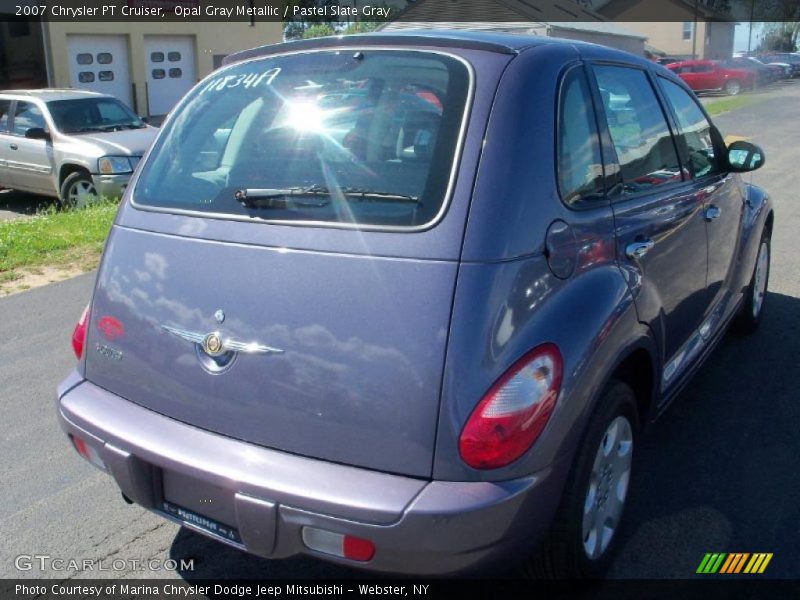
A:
x: 359, y: 137
x: 85, y: 115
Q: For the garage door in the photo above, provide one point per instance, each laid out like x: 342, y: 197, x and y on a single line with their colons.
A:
x: 100, y: 63
x: 170, y: 70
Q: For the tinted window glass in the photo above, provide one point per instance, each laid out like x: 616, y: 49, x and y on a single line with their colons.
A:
x: 87, y: 115
x: 174, y: 56
x: 106, y: 75
x: 638, y: 128
x: 27, y: 116
x: 105, y: 58
x: 580, y: 167
x: 86, y: 77
x: 157, y: 57
x: 694, y: 131
x: 5, y: 106
x: 159, y: 73
x: 320, y: 137
x: 85, y: 59
x: 175, y: 73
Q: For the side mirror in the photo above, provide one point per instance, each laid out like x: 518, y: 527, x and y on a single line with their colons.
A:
x: 744, y: 156
x: 37, y: 133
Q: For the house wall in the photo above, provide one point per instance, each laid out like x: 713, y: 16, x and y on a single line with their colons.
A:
x: 210, y: 40
x: 714, y: 38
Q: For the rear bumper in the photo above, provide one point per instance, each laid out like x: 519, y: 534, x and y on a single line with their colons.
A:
x: 417, y: 526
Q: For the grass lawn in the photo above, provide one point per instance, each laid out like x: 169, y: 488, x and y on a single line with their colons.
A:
x: 68, y: 239
x: 716, y: 106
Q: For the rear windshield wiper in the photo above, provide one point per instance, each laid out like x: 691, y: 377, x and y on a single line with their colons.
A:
x: 279, y: 197
x: 377, y: 196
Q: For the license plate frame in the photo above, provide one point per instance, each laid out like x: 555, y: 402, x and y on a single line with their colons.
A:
x: 201, y: 522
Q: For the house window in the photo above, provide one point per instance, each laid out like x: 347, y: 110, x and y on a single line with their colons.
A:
x: 688, y: 29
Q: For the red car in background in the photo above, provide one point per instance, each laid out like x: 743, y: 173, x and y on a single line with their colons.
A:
x: 710, y: 75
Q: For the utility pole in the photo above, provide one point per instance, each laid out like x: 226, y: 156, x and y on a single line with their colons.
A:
x: 694, y: 31
x: 750, y: 33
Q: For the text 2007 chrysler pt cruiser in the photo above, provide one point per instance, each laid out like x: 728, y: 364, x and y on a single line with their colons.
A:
x: 404, y: 301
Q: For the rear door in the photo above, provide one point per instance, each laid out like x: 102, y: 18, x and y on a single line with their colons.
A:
x: 659, y: 222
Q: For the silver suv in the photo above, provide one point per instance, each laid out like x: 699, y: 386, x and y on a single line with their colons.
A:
x: 70, y: 144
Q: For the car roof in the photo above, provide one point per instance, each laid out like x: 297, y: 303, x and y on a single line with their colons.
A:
x: 54, y: 93
x: 489, y: 41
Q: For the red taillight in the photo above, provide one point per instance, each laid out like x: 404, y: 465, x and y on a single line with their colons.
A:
x: 513, y: 413
x: 358, y: 549
x: 79, y: 334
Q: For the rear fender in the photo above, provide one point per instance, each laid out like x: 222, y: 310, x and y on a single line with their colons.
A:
x: 757, y: 208
x: 501, y: 311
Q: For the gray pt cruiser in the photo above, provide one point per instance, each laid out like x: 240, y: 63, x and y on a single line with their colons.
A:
x: 406, y: 301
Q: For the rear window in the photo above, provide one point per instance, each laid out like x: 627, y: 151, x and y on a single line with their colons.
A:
x: 365, y: 138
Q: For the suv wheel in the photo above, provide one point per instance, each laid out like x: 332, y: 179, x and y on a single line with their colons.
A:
x: 78, y: 190
x: 581, y: 541
x: 749, y: 317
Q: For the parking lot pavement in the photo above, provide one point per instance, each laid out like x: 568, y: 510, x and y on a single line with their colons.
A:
x: 15, y: 204
x: 717, y: 474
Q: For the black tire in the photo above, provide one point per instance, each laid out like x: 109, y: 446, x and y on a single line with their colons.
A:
x: 752, y: 311
x: 73, y: 182
x: 732, y: 87
x: 562, y: 555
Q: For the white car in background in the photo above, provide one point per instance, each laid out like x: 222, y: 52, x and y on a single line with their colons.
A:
x: 69, y: 144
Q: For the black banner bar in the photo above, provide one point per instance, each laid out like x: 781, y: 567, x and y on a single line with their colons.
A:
x: 439, y: 12
x: 142, y: 589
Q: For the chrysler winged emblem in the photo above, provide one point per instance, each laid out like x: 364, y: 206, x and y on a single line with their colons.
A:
x: 214, y: 344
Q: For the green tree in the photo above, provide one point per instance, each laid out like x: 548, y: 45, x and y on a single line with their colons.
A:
x: 361, y: 27
x: 318, y: 30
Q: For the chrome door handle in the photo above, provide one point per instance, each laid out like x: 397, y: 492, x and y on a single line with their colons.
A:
x: 712, y: 212
x: 639, y: 249
x: 13, y: 146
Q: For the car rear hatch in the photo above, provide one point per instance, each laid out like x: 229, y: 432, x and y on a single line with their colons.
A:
x: 311, y: 321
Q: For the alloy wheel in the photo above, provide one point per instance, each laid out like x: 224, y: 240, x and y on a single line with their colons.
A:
x: 608, y: 487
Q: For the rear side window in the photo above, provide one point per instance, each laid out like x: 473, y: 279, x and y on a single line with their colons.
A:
x: 360, y: 138
x: 580, y: 167
x: 638, y: 128
x: 694, y: 137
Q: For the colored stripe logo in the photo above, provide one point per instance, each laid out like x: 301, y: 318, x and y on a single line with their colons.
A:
x: 734, y: 562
